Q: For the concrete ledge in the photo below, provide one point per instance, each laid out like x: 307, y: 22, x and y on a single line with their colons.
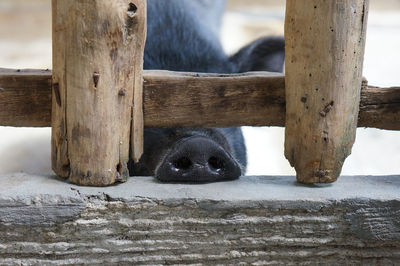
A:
x: 255, y: 220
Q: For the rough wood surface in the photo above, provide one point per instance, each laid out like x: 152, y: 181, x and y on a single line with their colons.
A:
x: 94, y: 75
x: 380, y: 108
x: 253, y: 221
x: 325, y: 43
x: 26, y: 97
x: 139, y: 26
x: 212, y: 100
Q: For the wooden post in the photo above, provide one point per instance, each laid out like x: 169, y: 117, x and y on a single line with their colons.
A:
x: 97, y: 69
x: 324, y: 57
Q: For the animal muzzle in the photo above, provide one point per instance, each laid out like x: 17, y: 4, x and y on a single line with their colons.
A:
x: 197, y: 160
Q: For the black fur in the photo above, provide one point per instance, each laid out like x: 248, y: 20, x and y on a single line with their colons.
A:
x: 183, y: 36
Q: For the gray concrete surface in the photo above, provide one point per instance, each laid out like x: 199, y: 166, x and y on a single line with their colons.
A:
x: 254, y: 188
x: 254, y: 220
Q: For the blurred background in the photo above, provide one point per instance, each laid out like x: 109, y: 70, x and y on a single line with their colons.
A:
x: 25, y: 42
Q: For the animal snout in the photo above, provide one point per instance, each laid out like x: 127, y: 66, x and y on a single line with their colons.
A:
x: 198, y: 160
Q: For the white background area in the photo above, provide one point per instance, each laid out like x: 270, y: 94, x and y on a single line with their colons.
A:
x: 25, y: 42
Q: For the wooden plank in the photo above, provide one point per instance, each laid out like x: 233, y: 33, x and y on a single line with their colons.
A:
x: 213, y: 100
x: 138, y: 20
x: 325, y: 43
x: 26, y: 98
x: 59, y: 136
x: 94, y: 80
x: 380, y: 108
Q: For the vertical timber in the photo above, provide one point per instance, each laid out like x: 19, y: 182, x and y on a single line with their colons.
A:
x: 97, y: 62
x: 324, y: 57
x: 137, y: 138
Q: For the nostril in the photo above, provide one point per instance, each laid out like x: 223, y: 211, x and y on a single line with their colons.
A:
x: 216, y: 163
x: 182, y: 163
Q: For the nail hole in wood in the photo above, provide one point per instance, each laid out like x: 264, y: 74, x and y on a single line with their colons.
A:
x: 122, y: 92
x: 132, y: 9
x: 96, y: 78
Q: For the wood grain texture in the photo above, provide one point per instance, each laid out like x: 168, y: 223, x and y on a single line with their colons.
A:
x: 26, y: 97
x: 94, y: 75
x: 325, y: 43
x: 139, y: 20
x: 380, y: 108
x: 59, y: 136
x: 213, y: 100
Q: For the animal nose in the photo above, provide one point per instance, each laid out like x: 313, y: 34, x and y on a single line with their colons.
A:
x: 198, y: 160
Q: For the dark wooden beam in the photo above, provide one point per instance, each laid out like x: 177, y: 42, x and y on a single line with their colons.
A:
x: 174, y: 99
x: 212, y: 100
x: 380, y: 107
x: 25, y: 98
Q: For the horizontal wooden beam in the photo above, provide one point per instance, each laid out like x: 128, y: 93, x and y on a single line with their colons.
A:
x: 175, y: 99
x: 380, y: 107
x: 25, y: 98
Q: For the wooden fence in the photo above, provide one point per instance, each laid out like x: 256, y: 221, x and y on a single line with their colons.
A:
x: 98, y: 98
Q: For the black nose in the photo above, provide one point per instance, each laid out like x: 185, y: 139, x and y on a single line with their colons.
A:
x: 198, y: 160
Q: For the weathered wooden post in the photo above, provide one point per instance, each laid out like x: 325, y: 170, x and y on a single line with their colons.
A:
x: 324, y: 57
x: 97, y: 82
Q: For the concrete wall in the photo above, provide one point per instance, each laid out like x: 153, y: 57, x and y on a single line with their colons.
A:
x: 255, y: 220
